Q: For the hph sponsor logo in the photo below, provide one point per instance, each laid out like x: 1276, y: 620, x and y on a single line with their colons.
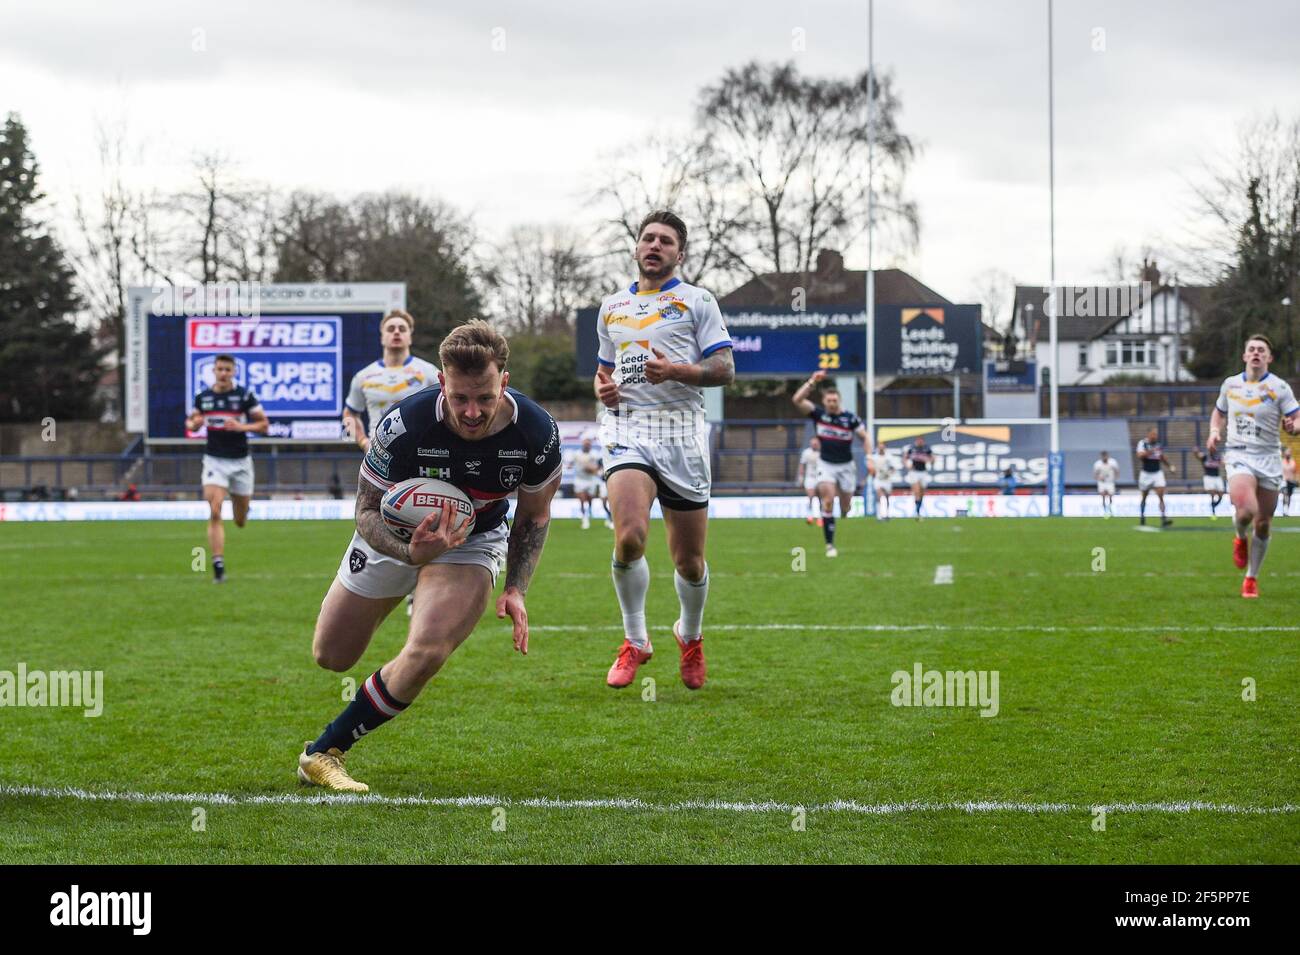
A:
x: 75, y: 907
x: 78, y: 688
x: 975, y: 688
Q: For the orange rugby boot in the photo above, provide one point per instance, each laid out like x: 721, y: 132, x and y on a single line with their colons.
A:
x: 629, y: 658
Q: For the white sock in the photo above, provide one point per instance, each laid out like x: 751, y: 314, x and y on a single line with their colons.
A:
x: 1258, y: 548
x: 692, y: 596
x: 631, y: 581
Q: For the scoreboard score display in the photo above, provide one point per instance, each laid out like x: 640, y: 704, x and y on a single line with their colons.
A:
x: 774, y: 342
x: 296, y: 347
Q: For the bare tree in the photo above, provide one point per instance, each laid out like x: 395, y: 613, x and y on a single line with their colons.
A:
x: 995, y: 291
x: 539, y: 276
x: 691, y: 178
x: 116, y: 245
x: 224, y: 227
x: 1267, y: 152
x: 796, y: 149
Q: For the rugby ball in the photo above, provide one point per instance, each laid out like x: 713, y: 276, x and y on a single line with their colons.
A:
x: 406, y: 504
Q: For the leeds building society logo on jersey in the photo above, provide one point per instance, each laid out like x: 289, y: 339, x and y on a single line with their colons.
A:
x: 511, y: 475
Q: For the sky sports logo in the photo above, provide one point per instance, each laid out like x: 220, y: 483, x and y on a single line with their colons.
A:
x: 232, y: 333
x: 77, y: 908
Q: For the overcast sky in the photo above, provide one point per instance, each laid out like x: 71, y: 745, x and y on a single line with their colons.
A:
x: 352, y: 97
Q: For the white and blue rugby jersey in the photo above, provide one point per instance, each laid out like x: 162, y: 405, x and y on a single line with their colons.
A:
x: 1255, y: 410
x: 680, y: 320
x: 376, y: 388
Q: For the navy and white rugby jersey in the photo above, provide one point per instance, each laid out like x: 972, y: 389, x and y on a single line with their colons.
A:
x: 836, y: 433
x: 413, y: 440
x: 219, y: 408
x: 1155, y: 453
x: 918, y: 456
x: 1212, y: 461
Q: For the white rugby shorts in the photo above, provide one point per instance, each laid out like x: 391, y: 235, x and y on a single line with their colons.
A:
x: 844, y: 475
x: 678, y: 460
x: 1265, y: 467
x: 368, y: 573
x: 234, y: 474
x: 1151, y: 479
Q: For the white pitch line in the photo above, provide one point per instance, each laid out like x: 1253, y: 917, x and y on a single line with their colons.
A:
x: 970, y: 807
x: 943, y: 574
x: 930, y: 628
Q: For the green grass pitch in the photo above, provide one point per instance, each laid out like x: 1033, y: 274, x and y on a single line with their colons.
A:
x: 1119, y: 687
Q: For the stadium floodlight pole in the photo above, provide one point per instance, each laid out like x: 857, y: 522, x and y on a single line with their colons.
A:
x: 870, y: 377
x: 1054, y: 344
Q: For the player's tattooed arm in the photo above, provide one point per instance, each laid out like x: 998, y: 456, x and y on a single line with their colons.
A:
x: 528, y: 535
x: 718, y: 369
x: 370, y: 524
x: 527, y: 538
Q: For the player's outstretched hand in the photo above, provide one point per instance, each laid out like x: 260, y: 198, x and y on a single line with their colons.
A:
x: 659, y: 368
x: 818, y: 375
x: 607, y: 388
x: 511, y: 602
x: 431, y: 539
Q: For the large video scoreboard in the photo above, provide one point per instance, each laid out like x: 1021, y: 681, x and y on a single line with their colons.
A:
x: 295, y: 346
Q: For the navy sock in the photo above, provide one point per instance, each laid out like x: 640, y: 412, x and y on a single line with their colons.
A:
x: 828, y: 528
x: 373, y: 707
x: 218, y: 566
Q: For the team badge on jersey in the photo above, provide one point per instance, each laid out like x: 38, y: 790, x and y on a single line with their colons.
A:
x: 511, y: 475
x: 390, y: 428
x: 356, y: 561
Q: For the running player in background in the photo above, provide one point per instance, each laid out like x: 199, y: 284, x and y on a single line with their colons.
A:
x: 881, y: 467
x: 660, y: 342
x: 1212, y: 462
x: 836, y: 469
x: 388, y: 380
x: 230, y: 414
x: 918, y: 459
x: 1288, y: 475
x: 586, y: 479
x: 486, y: 439
x: 1152, y: 455
x: 1256, y: 406
x: 808, y: 475
x: 1106, y: 470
